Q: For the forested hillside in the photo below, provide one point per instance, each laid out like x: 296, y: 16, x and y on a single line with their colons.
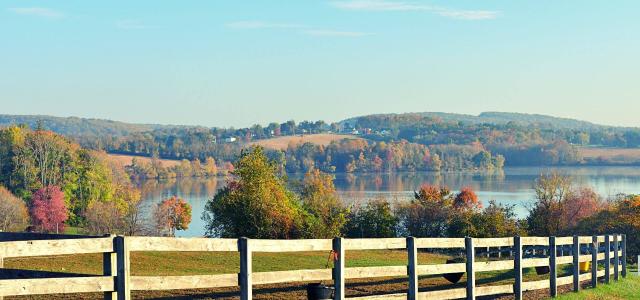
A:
x: 387, y: 142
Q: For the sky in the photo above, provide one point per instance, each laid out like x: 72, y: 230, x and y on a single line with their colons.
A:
x: 238, y: 63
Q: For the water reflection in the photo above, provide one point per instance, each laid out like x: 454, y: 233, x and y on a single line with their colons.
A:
x: 513, y: 186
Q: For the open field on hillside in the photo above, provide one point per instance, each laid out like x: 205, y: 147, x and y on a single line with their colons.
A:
x: 613, y: 155
x: 125, y: 160
x: 281, y: 143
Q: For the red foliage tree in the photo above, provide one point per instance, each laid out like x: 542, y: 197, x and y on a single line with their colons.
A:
x: 467, y: 198
x: 173, y: 214
x: 48, y: 210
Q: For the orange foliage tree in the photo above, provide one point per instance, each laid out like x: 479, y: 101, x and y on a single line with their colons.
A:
x: 172, y: 214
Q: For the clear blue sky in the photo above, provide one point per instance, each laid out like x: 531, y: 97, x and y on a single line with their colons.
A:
x: 236, y: 63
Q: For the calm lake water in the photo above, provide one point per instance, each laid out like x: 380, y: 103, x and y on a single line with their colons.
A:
x: 513, y: 186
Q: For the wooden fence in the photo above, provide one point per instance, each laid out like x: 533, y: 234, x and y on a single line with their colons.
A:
x: 117, y: 282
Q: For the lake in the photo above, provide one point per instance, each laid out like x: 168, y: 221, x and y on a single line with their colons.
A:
x: 513, y: 186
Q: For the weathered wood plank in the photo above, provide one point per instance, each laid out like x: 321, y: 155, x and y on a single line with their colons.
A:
x: 157, y: 283
x: 494, y: 290
x: 493, y: 242
x: 535, y: 241
x: 443, y: 294
x: 563, y: 260
x: 55, y: 247
x: 535, y: 285
x: 535, y: 262
x: 291, y: 245
x: 439, y: 243
x: 486, y: 266
x: 139, y: 243
x: 375, y: 244
x: 399, y: 296
x: 43, y: 286
x: 369, y: 272
x: 441, y: 269
x: 565, y: 240
x: 584, y: 239
x: 565, y: 280
x: 291, y: 276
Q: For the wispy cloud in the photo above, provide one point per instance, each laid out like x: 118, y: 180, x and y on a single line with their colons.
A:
x: 303, y: 29
x: 335, y: 33
x: 261, y: 25
x: 385, y: 5
x: 38, y: 12
x: 129, y: 24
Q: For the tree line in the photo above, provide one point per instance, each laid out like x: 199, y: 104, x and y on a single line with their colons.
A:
x: 47, y: 182
x: 260, y: 203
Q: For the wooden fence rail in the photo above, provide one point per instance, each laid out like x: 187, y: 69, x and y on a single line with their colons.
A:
x: 524, y: 252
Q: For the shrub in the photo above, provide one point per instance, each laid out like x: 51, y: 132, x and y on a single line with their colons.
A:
x: 374, y: 220
x: 14, y: 215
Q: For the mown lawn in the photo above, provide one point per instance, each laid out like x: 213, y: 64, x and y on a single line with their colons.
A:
x: 627, y: 288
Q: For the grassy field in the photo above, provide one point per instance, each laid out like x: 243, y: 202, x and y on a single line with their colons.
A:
x: 125, y: 160
x: 613, y: 155
x: 194, y: 263
x: 627, y: 288
x: 281, y: 143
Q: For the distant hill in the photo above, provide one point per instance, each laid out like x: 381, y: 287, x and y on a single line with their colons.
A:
x: 537, y: 120
x: 74, y: 126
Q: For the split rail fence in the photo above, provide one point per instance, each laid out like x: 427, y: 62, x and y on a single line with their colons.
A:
x: 116, y: 282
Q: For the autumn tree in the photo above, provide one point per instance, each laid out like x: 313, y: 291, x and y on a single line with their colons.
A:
x: 321, y: 201
x: 373, y: 220
x: 466, y: 199
x: 172, y: 214
x: 210, y: 168
x: 428, y: 214
x: 48, y: 211
x: 545, y: 216
x: 255, y: 203
x: 14, y: 215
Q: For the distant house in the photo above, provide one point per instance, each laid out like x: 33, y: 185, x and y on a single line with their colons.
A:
x: 214, y: 139
x: 230, y: 139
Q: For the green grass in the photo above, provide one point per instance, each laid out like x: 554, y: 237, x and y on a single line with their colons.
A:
x: 627, y: 288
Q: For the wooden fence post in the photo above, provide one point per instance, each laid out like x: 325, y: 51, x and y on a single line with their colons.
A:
x: 246, y: 289
x: 616, y: 257
x: 110, y: 268
x: 338, y: 269
x: 517, y: 265
x: 553, y: 270
x: 471, y: 276
x: 624, y: 255
x: 576, y: 263
x: 123, y: 265
x: 607, y: 259
x: 594, y: 261
x: 412, y: 253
